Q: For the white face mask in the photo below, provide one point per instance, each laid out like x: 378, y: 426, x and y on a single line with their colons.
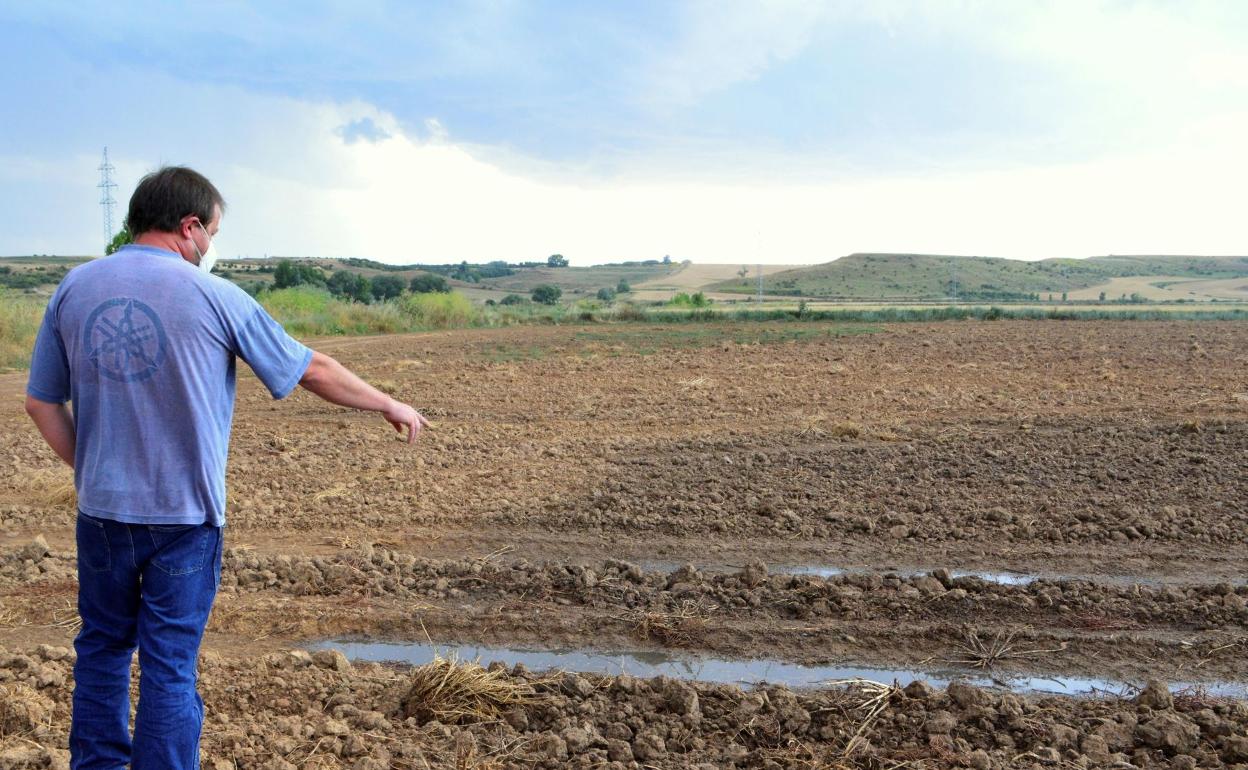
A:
x: 209, y: 257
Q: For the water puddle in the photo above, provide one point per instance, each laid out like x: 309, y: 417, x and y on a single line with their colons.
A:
x: 1007, y: 578
x: 825, y: 571
x: 728, y: 671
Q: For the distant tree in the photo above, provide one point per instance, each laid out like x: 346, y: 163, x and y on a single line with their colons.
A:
x: 466, y: 273
x: 285, y: 275
x: 119, y: 240
x: 743, y: 272
x: 512, y: 299
x: 606, y: 294
x: 667, y: 259
x: 1102, y: 296
x: 352, y: 286
x: 1063, y: 296
x: 290, y: 274
x: 427, y: 283
x: 556, y: 260
x: 385, y: 287
x: 622, y: 287
x: 547, y: 294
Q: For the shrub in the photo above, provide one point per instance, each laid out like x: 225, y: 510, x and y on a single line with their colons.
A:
x: 345, y: 283
x: 622, y: 287
x: 289, y: 274
x: 547, y: 294
x: 630, y: 312
x: 606, y: 294
x: 311, y: 311
x: 293, y: 302
x: 436, y: 310
x: 683, y: 299
x: 512, y: 299
x: 386, y: 287
x: 428, y: 283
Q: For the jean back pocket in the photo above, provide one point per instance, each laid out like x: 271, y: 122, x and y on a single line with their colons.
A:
x: 180, y: 549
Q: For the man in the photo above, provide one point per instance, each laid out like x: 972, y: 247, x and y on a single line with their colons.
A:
x: 143, y: 343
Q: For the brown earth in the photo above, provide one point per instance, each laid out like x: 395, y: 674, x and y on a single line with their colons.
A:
x: 565, y: 462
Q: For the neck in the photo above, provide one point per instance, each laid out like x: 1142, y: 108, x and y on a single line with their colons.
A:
x: 163, y: 240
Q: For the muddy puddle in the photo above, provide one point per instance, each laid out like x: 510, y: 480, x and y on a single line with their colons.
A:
x: 741, y: 672
x: 1008, y: 578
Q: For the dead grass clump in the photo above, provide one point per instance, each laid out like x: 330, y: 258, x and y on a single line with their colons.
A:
x: 681, y: 627
x: 845, y: 430
x: 389, y: 387
x: 67, y: 617
x: 875, y: 699
x: 52, y: 487
x: 987, y: 653
x: 62, y: 494
x: 1197, y: 697
x: 9, y: 617
x: 22, y: 711
x: 452, y: 691
x: 812, y: 425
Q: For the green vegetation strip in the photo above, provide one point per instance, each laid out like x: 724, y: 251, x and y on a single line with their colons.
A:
x: 20, y: 316
x: 314, y: 312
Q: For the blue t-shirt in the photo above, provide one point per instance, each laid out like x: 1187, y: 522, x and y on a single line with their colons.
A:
x: 144, y: 344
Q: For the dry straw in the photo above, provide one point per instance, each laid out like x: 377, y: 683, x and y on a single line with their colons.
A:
x: 22, y: 711
x: 452, y: 691
x: 52, y: 487
x: 987, y: 653
x: 680, y: 627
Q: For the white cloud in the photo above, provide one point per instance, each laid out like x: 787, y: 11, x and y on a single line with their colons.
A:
x: 405, y: 200
x: 723, y: 42
x: 296, y: 188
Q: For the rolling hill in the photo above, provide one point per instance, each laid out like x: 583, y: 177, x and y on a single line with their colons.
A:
x: 928, y: 276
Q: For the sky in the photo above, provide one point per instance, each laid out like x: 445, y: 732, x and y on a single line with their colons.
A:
x: 719, y: 131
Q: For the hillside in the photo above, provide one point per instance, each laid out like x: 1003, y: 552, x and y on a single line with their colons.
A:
x: 926, y: 276
x: 577, y: 281
x: 42, y: 273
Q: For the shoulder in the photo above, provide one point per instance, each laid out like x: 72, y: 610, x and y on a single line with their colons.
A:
x: 224, y: 291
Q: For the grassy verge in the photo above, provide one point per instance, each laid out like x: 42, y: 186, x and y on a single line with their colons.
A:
x: 20, y: 316
x: 927, y: 314
x: 307, y: 312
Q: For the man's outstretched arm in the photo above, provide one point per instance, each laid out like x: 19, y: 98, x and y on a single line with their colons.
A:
x: 335, y: 383
x: 56, y: 424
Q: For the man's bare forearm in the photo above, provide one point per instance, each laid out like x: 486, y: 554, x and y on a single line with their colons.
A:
x: 56, y: 425
x: 335, y: 383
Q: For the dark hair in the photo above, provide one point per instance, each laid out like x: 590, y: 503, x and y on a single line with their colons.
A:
x: 166, y: 195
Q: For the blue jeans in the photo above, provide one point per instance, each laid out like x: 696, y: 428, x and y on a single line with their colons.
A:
x: 150, y: 586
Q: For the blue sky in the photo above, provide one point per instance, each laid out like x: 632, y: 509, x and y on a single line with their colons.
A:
x: 714, y: 131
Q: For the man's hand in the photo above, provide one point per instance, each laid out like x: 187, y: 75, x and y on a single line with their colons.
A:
x: 331, y: 381
x: 399, y: 415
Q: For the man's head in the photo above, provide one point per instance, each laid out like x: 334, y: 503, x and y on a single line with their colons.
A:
x: 176, y: 208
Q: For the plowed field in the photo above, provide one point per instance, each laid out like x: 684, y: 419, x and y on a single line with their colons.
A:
x: 650, y: 488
